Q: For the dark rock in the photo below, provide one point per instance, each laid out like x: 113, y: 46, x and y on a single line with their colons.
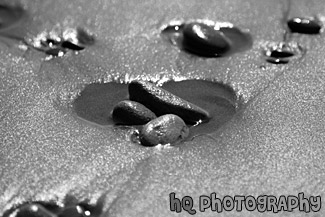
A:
x: 132, y: 113
x: 163, y: 130
x: 281, y: 53
x: 34, y: 210
x: 304, y: 25
x: 162, y: 102
x: 71, y: 46
x: 203, y: 40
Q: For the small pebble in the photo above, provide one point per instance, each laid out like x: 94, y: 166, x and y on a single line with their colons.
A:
x: 34, y: 210
x: 72, y: 211
x: 280, y: 53
x: 166, y: 129
x: 304, y: 25
x: 132, y: 113
x: 283, y: 53
x: 203, y: 40
x: 162, y: 102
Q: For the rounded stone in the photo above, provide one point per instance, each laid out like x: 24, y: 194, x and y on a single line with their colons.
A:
x: 304, y: 25
x: 166, y: 129
x: 34, y: 210
x: 203, y: 40
x: 132, y: 113
x: 162, y: 102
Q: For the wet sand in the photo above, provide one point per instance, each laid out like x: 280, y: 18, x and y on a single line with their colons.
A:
x: 274, y: 145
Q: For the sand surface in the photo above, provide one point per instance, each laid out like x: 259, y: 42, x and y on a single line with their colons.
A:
x: 274, y: 146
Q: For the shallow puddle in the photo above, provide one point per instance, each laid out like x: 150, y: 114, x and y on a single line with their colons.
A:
x: 96, y: 101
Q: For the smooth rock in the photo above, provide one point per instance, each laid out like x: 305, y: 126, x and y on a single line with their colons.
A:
x: 203, y: 40
x: 164, y: 130
x: 71, y: 46
x: 280, y: 53
x: 162, y: 102
x: 304, y: 25
x: 132, y: 113
x: 34, y: 210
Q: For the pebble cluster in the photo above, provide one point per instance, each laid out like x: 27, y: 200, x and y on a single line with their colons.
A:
x: 51, y: 210
x: 285, y: 51
x: 54, y: 44
x: 163, y: 115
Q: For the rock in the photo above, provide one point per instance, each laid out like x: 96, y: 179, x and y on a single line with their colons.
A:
x: 33, y: 210
x: 131, y: 113
x: 304, y: 25
x: 203, y: 40
x: 71, y: 46
x: 163, y: 102
x: 163, y: 130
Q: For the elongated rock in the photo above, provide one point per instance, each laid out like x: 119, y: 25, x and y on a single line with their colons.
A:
x: 162, y: 102
x: 163, y: 130
x: 304, y: 25
x: 34, y: 210
x: 71, y: 46
x: 132, y: 113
